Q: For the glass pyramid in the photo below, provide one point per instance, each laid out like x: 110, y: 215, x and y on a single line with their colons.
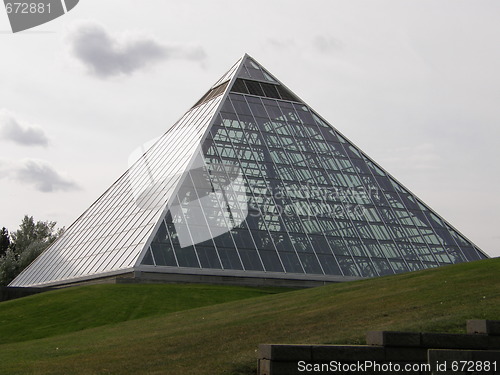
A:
x: 252, y: 183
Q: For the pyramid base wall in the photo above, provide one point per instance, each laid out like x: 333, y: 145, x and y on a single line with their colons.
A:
x: 140, y: 277
x: 99, y: 280
x: 148, y: 274
x: 151, y: 277
x: 151, y: 274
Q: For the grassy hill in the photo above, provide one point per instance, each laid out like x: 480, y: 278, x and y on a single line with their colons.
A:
x: 210, y: 336
x: 78, y: 308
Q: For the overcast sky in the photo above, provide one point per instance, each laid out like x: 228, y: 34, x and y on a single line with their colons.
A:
x: 415, y: 84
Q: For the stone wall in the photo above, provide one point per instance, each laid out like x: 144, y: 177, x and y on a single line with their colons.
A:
x: 387, y: 352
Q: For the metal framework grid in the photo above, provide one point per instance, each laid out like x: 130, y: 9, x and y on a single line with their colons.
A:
x: 251, y: 181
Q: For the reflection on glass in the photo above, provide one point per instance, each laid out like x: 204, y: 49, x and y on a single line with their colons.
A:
x: 315, y: 203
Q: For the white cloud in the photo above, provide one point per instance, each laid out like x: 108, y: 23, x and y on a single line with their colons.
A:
x: 326, y: 44
x: 4, y: 168
x: 277, y: 43
x: 23, y: 134
x: 38, y: 173
x: 106, y: 55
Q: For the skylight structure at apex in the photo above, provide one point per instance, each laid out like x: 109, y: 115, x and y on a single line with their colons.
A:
x: 251, y: 186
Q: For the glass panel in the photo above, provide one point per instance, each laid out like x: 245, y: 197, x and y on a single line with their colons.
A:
x: 365, y: 266
x: 208, y: 257
x: 291, y: 262
x: 356, y: 247
x: 399, y: 266
x: 338, y: 246
x: 163, y: 254
x: 271, y: 261
x: 240, y: 106
x: 239, y: 86
x: 148, y: 259
x: 329, y: 264
x: 460, y: 240
x: 408, y: 251
x: 310, y: 263
x: 382, y: 266
x: 224, y: 240
x: 230, y: 259
x: 301, y: 243
x: 430, y: 264
x: 187, y: 257
x: 348, y: 266
x: 389, y: 250
x: 384, y: 183
x: 440, y: 254
x: 320, y: 245
x: 374, y: 249
x: 360, y: 166
x: 250, y: 259
x: 470, y: 253
x: 242, y: 238
x: 415, y: 266
x: 455, y: 254
x: 424, y: 253
x: 270, y: 91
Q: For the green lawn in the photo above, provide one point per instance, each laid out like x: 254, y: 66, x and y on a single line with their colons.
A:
x: 74, y: 309
x: 222, y: 338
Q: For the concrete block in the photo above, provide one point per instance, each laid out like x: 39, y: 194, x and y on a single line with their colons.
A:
x: 280, y: 352
x: 445, y: 355
x: 263, y: 367
x: 386, y: 368
x: 349, y: 353
x: 494, y: 342
x: 453, y: 341
x: 269, y: 367
x: 393, y: 338
x: 487, y: 355
x: 406, y: 354
x: 486, y: 327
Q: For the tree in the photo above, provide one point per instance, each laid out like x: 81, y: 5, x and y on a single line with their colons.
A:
x: 4, y: 241
x: 30, y: 232
x: 25, y: 244
x: 9, y: 267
